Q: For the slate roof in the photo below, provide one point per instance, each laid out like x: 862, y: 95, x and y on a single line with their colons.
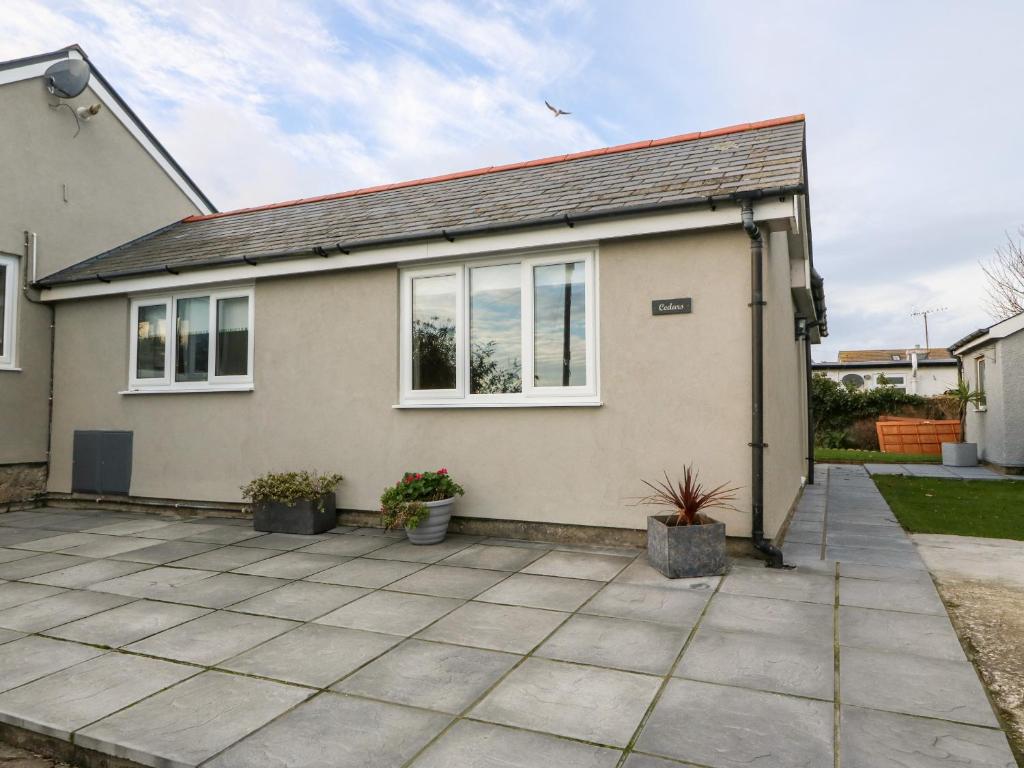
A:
x: 677, y: 171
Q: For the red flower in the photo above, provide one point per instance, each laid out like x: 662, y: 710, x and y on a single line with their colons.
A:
x: 419, y: 476
x: 442, y: 471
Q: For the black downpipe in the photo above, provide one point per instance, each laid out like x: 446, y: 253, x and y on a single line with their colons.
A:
x: 810, y: 406
x: 30, y: 253
x: 757, y: 445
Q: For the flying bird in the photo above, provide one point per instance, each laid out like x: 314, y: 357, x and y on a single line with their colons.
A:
x: 555, y: 110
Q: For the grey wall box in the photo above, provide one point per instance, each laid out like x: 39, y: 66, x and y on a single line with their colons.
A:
x: 102, y: 462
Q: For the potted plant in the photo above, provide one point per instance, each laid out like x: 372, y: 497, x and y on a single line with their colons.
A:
x: 687, y: 543
x: 293, y: 502
x: 963, y: 454
x: 421, y: 502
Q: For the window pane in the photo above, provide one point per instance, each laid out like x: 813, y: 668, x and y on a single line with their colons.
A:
x: 3, y: 306
x: 433, y: 332
x: 494, y: 329
x: 193, y: 361
x: 559, y: 325
x: 233, y: 336
x: 151, y: 348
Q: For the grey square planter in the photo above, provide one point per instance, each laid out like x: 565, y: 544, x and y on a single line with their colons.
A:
x: 960, y: 454
x: 304, y: 517
x: 686, y: 551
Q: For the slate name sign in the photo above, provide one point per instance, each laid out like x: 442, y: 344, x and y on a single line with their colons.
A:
x: 671, y: 306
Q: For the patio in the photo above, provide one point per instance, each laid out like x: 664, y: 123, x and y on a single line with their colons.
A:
x: 198, y: 641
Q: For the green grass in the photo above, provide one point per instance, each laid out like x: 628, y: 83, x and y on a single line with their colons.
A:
x: 850, y: 455
x: 990, y: 508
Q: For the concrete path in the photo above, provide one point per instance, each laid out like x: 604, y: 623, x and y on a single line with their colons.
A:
x: 200, y: 642
x: 939, y: 470
x: 1000, y: 561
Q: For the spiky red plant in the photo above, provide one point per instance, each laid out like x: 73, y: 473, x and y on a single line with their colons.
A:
x: 688, y: 496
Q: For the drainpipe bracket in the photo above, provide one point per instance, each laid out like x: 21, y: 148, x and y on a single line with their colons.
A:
x: 758, y: 445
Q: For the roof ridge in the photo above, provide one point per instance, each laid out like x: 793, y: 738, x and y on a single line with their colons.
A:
x: 613, y: 150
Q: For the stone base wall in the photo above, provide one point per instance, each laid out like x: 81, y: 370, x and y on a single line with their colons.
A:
x: 21, y: 482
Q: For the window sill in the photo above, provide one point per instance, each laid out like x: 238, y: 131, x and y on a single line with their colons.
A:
x: 525, y: 404
x: 187, y: 390
x: 11, y: 368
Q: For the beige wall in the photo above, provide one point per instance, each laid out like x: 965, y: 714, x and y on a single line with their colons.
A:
x: 675, y: 389
x: 115, y: 192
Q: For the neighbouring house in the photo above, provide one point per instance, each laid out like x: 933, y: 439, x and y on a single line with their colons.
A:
x: 992, y: 361
x: 552, y: 331
x: 918, y: 371
x: 77, y: 181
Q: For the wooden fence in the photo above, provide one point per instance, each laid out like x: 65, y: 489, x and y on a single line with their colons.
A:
x: 906, y: 435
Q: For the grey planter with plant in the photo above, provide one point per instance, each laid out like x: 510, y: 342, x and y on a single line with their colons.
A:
x: 687, y: 543
x: 421, y: 502
x: 963, y: 454
x: 293, y: 502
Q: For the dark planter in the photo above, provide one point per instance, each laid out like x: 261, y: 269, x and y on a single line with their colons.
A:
x: 686, y: 551
x: 303, y: 517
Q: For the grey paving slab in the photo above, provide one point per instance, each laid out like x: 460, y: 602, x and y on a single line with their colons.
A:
x: 781, y: 618
x: 226, y: 558
x: 32, y: 657
x: 499, y: 627
x: 677, y: 608
x: 596, y: 705
x: 883, y: 573
x: 240, y: 522
x: 164, y: 552
x: 131, y: 527
x: 108, y: 546
x: 213, y: 638
x: 804, y: 536
x: 179, y: 530
x: 220, y: 590
x: 637, y: 760
x: 312, y: 654
x: 362, y: 572
x: 349, y: 546
x: 57, y: 609
x: 127, y: 623
x: 393, y: 613
x: 493, y: 557
x: 884, y: 539
x: 636, y: 646
x: 33, y: 566
x: 872, y: 739
x: 192, y: 721
x: 281, y: 541
x: 874, y: 556
x: 152, y: 582
x: 437, y: 676
x: 379, y: 532
x: 10, y: 555
x: 448, y: 581
x: 787, y: 585
x: 540, y: 546
x: 65, y: 701
x: 16, y: 592
x: 914, y: 633
x: 767, y: 663
x: 640, y: 572
x: 300, y: 600
x: 291, y: 565
x: 334, y: 731
x: 469, y: 744
x: 913, y: 598
x: 729, y: 727
x: 221, y: 534
x: 551, y: 592
x: 10, y: 537
x: 914, y: 685
x: 87, y: 574
x: 60, y: 541
x: 578, y: 565
x: 431, y: 553
x: 9, y: 635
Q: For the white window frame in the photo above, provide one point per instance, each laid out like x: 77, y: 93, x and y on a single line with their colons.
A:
x: 980, y: 375
x: 167, y: 383
x: 9, y: 359
x: 460, y: 397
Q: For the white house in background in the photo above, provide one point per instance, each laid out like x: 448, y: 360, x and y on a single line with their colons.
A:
x: 918, y: 371
x: 993, y: 361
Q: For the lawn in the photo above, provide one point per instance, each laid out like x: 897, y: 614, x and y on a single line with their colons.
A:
x: 850, y: 455
x: 990, y: 508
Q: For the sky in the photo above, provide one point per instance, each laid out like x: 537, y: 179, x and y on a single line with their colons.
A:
x: 913, y: 110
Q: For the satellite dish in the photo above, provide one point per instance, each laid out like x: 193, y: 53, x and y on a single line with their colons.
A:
x: 68, y: 78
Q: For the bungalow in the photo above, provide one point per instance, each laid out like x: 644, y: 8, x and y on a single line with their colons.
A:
x: 552, y: 331
x: 919, y: 371
x: 992, y: 360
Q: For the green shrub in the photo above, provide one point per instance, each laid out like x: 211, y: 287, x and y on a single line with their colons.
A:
x: 291, y: 487
x: 402, y: 505
x: 837, y: 407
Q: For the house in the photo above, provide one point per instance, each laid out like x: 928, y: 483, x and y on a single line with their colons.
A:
x: 926, y: 372
x: 992, y: 360
x: 82, y: 174
x: 552, y: 331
